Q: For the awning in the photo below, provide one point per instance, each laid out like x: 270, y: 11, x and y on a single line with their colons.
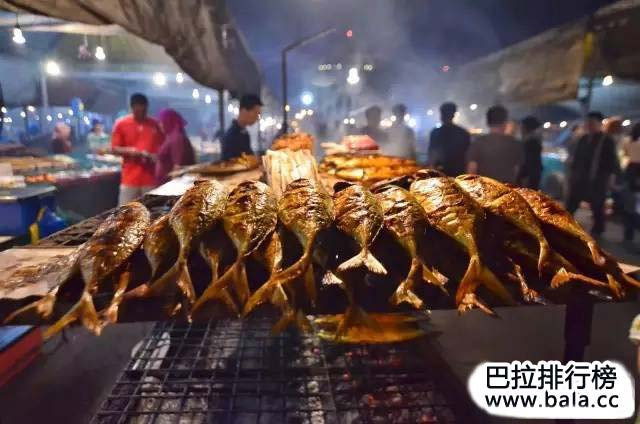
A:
x: 548, y: 67
x: 199, y: 34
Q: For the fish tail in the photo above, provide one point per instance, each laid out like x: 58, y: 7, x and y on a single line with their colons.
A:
x: 471, y: 301
x: 596, y: 255
x: 563, y: 276
x: 528, y: 294
x: 280, y: 278
x: 329, y: 278
x: 366, y: 259
x: 84, y: 310
x: 470, y: 279
x: 433, y: 276
x: 216, y: 288
x: 44, y: 307
x: 354, y: 316
x: 404, y: 292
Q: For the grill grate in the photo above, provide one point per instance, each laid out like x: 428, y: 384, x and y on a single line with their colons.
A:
x: 77, y: 234
x: 234, y: 371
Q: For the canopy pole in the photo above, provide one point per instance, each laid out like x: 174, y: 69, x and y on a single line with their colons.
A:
x: 44, y: 95
x: 301, y: 42
x: 221, y: 109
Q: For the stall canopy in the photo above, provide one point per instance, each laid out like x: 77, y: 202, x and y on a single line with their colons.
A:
x: 547, y: 68
x: 199, y: 34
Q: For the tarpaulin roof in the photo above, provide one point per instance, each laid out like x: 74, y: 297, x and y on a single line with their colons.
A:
x: 198, y: 34
x: 548, y: 67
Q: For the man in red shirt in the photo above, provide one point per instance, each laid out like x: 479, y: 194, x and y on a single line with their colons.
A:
x: 137, y: 138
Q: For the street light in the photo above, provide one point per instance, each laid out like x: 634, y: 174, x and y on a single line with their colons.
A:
x: 52, y: 68
x: 100, y: 54
x: 353, y: 77
x: 159, y: 79
x: 306, y: 98
x: 18, y: 37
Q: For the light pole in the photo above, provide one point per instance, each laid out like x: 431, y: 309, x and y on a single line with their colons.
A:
x: 285, y: 51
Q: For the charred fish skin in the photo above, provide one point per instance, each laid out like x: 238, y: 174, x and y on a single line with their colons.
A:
x: 106, y: 251
x: 550, y: 212
x: 306, y: 210
x: 250, y: 217
x: 405, y: 220
x: 449, y: 209
x: 160, y: 244
x: 359, y: 215
x: 501, y: 200
x: 198, y: 210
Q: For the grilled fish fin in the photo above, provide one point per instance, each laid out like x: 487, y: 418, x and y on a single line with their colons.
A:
x: 44, y: 307
x: 310, y: 284
x: 111, y: 313
x: 596, y: 255
x: 615, y: 287
x: 528, y: 294
x: 433, y: 276
x: 470, y: 279
x: 470, y: 301
x: 241, y: 284
x: 159, y: 286
x: 184, y: 282
x: 563, y: 276
x: 329, y: 278
x: 404, y: 292
x: 546, y: 255
x: 366, y: 259
x: 84, y: 310
x: 492, y: 283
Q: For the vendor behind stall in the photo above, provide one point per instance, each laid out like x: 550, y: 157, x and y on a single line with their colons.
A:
x: 176, y: 150
x: 97, y: 139
x: 137, y: 138
x: 61, y: 139
x: 236, y: 140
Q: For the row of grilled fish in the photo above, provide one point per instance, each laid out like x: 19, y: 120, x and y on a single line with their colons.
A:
x: 531, y: 238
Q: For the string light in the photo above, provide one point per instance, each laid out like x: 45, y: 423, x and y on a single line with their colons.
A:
x: 626, y: 123
x: 179, y: 77
x: 52, y: 68
x: 563, y: 124
x: 159, y: 79
x: 607, y: 81
x: 207, y: 99
x: 195, y: 93
x: 100, y: 54
x: 473, y: 106
x: 547, y: 125
x: 18, y: 37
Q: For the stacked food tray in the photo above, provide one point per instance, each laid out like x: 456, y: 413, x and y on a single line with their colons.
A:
x: 238, y: 372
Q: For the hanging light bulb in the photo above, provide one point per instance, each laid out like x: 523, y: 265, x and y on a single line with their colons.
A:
x: 52, y: 68
x: 18, y: 37
x: 100, y: 54
x: 207, y: 99
x: 195, y: 93
x: 179, y: 77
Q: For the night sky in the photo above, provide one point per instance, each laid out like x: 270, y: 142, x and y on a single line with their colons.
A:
x: 398, y: 36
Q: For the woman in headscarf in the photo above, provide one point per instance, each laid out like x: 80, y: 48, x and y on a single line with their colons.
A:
x: 176, y: 150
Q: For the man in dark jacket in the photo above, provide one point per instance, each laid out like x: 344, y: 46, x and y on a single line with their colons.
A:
x: 591, y: 171
x: 236, y: 140
x: 531, y: 169
x: 448, y: 143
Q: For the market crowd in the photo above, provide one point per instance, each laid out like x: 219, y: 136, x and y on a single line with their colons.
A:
x: 511, y: 152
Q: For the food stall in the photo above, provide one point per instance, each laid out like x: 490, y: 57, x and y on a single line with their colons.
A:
x: 220, y: 368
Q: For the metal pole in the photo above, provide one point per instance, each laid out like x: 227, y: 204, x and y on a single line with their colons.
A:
x: 285, y: 99
x: 44, y: 94
x: 292, y: 46
x: 221, y: 109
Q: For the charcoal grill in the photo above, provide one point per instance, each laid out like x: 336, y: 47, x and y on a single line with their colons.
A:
x: 234, y: 371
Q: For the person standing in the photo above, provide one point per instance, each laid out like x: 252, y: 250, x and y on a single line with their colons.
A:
x: 531, y: 169
x: 402, y: 139
x: 373, y: 116
x: 177, y: 149
x: 97, y: 139
x: 496, y: 155
x: 137, y: 138
x: 631, y: 179
x: 236, y: 140
x: 61, y: 139
x: 593, y: 167
x: 448, y: 144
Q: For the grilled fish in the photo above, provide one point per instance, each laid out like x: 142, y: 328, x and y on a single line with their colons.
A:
x: 449, y: 209
x: 404, y: 219
x: 160, y: 245
x: 306, y: 210
x: 359, y: 215
x: 506, y: 203
x: 108, y: 249
x: 198, y: 210
x: 558, y: 219
x: 250, y: 217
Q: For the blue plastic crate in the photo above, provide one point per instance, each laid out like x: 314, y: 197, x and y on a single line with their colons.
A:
x: 19, y: 208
